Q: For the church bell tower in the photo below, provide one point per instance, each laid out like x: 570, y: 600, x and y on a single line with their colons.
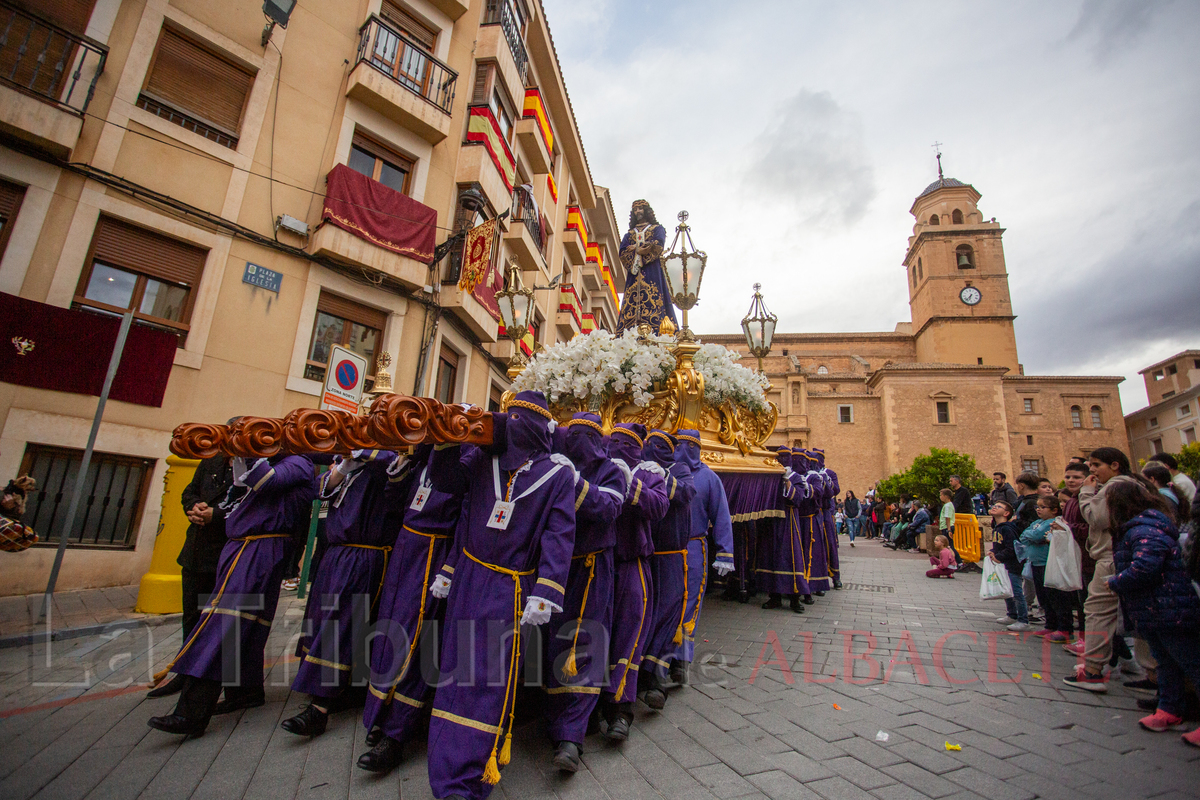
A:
x: 957, y: 281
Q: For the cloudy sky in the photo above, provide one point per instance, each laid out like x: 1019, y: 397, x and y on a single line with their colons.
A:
x: 797, y: 135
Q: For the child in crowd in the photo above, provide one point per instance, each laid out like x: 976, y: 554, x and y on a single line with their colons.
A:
x: 946, y: 515
x: 1004, y: 551
x: 1057, y: 605
x: 942, y: 559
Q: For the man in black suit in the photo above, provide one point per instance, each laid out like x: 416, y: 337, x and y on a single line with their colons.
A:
x: 202, y: 546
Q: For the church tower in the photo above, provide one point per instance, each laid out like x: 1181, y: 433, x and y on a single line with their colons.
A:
x: 957, y: 281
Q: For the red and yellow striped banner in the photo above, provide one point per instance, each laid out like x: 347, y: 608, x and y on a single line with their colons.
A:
x: 568, y: 300
x: 534, y: 107
x: 482, y: 129
x: 588, y: 323
x: 575, y: 221
x: 553, y: 187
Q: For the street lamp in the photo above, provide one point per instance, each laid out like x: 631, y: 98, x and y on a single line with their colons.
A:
x: 684, y: 271
x: 516, y: 309
x: 759, y: 327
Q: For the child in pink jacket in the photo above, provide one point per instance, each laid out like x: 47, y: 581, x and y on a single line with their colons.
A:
x: 944, y: 563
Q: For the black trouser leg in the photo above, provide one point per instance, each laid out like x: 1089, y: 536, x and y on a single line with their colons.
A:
x: 198, y: 698
x: 197, y: 587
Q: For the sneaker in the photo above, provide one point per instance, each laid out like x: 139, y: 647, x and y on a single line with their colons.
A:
x: 1074, y: 648
x: 1161, y: 721
x: 1130, y: 667
x: 1019, y: 626
x: 290, y: 584
x: 1005, y: 620
x: 1058, y: 637
x: 1041, y: 632
x: 1089, y: 683
x: 1192, y: 738
x: 1144, y: 685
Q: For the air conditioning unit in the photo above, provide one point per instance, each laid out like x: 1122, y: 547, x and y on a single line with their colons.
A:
x: 290, y: 223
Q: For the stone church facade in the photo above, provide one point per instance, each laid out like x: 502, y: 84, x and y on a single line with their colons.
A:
x: 951, y: 378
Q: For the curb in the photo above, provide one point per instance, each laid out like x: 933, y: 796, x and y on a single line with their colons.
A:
x: 23, y: 639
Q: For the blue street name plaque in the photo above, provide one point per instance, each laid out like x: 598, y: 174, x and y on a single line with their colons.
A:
x: 262, y: 277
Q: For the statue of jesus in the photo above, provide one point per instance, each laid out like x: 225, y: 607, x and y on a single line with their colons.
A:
x: 647, y: 298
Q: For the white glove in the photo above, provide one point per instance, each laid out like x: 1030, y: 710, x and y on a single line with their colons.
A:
x: 441, y: 588
x: 788, y: 474
x: 538, y: 611
x: 559, y: 458
x: 626, y: 471
x: 723, y: 568
x: 243, y: 467
x: 396, y: 466
x: 349, y: 466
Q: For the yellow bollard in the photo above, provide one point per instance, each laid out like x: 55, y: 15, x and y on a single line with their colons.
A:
x: 968, y: 537
x: 161, y: 590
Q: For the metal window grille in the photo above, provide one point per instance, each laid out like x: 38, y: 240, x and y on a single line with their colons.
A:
x: 114, y: 492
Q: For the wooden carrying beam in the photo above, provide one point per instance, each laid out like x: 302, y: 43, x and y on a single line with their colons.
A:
x: 394, y: 422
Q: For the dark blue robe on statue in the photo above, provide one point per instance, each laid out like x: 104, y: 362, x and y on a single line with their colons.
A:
x: 647, y: 298
x: 360, y: 530
x: 267, y: 511
x: 710, y: 518
x: 576, y: 655
x: 514, y: 548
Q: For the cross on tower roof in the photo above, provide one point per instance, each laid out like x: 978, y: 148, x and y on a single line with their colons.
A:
x: 937, y: 146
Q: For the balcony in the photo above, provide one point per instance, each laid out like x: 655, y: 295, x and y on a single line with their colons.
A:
x: 47, y: 78
x: 398, y: 78
x: 534, y: 133
x: 451, y: 8
x: 493, y: 44
x: 569, y: 318
x: 490, y: 164
x: 524, y: 236
x: 469, y: 311
x: 575, y: 237
x: 499, y: 14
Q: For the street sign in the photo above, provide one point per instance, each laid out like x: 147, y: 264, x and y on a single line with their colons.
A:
x: 262, y: 277
x: 344, y: 378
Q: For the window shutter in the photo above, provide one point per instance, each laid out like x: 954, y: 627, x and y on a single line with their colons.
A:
x: 408, y: 24
x: 10, y: 199
x: 139, y: 250
x: 480, y: 95
x: 70, y: 14
x: 355, y: 312
x: 192, y: 79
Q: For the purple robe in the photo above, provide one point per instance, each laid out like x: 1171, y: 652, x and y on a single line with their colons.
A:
x: 812, y: 525
x: 633, y: 592
x: 781, y: 565
x: 398, y: 692
x: 579, y: 635
x: 497, y: 570
x: 360, y: 531
x: 270, y: 510
x: 710, y: 518
x: 831, y: 538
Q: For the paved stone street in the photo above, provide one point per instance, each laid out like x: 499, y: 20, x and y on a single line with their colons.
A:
x: 881, y: 680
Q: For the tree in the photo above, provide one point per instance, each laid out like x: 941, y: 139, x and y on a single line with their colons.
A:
x: 929, y: 474
x: 1189, y: 460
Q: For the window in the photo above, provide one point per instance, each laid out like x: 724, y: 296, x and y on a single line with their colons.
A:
x: 943, y: 412
x: 920, y: 269
x: 133, y: 268
x: 1172, y: 370
x: 1171, y: 393
x: 914, y: 276
x: 1076, y: 417
x: 1028, y: 440
x: 1097, y: 419
x: 845, y: 413
x: 1033, y: 465
x: 956, y: 217
x: 11, y: 196
x: 1189, y: 435
x: 1152, y: 422
x: 193, y: 87
x: 1156, y: 445
x: 964, y: 256
x: 1028, y: 401
x: 379, y: 163
x: 933, y: 220
x: 114, y: 492
x: 822, y: 370
x: 406, y: 57
x: 1196, y: 363
x: 495, y: 395
x: 1158, y: 375
x: 339, y: 321
x: 488, y: 92
x: 503, y: 115
x: 447, y: 375
x: 979, y: 360
x: 1183, y: 410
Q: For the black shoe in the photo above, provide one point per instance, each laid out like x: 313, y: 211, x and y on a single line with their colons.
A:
x: 807, y: 599
x: 1143, y: 685
x: 309, y: 722
x: 1147, y: 703
x: 566, y: 757
x: 819, y: 594
x: 679, y: 672
x: 383, y: 757
x: 239, y: 702
x: 743, y: 597
x: 167, y: 689
x: 796, y: 606
x: 655, y: 698
x: 618, y: 729
x: 174, y: 723
x: 374, y: 736
x: 837, y: 584
x: 774, y: 602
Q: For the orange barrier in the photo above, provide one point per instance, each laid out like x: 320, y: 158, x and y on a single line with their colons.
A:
x: 968, y: 537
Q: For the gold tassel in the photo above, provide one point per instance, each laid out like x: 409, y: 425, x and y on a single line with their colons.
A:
x: 690, y: 627
x: 506, y: 751
x: 679, y: 635
x: 158, y: 676
x: 491, y: 773
x: 570, y: 669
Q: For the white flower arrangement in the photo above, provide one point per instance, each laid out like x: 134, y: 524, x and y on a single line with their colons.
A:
x: 725, y: 379
x: 592, y: 367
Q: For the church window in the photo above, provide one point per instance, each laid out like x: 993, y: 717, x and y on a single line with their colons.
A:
x: 914, y: 276
x: 1033, y: 465
x: 956, y: 217
x: 1097, y: 419
x: 822, y: 370
x: 1076, y: 417
x: 920, y: 269
x: 845, y: 414
x: 965, y: 256
x: 933, y: 220
x: 943, y: 412
x: 1028, y: 405
x: 1028, y: 440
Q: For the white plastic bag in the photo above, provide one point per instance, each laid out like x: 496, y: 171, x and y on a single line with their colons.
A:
x: 1063, y: 565
x: 996, y: 585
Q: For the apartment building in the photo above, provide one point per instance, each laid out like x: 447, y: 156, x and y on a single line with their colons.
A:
x: 1172, y: 419
x: 256, y: 193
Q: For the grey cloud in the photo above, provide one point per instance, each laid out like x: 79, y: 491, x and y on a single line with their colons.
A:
x: 1110, y: 26
x: 813, y: 157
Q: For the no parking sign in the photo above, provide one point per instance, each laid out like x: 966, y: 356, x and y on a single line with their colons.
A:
x: 344, y: 378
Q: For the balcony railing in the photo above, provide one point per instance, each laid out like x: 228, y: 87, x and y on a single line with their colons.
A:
x: 499, y: 12
x: 525, y: 210
x: 47, y: 61
x: 406, y: 62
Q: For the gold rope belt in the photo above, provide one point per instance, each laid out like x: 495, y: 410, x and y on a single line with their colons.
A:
x: 416, y: 637
x: 683, y: 610
x: 386, y: 550
x: 570, y: 668
x: 690, y: 626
